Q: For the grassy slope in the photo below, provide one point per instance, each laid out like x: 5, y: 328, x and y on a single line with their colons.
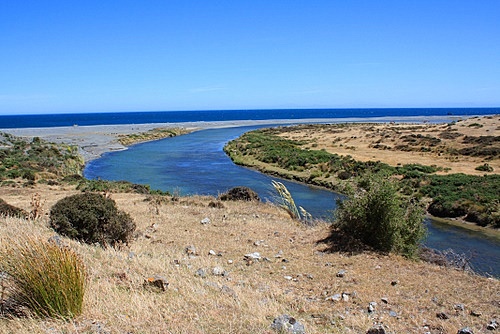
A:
x: 247, y: 300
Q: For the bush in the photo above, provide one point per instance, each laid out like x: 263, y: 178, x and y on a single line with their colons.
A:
x: 11, y: 211
x: 91, y: 218
x: 380, y: 217
x: 54, y: 287
x: 240, y: 194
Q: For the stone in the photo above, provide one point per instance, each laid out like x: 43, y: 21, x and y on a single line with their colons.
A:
x: 286, y: 324
x: 378, y: 329
x: 475, y: 313
x: 219, y: 271
x: 393, y: 314
x: 459, y: 307
x: 384, y: 300
x: 345, y: 297
x: 465, y: 330
x: 201, y: 272
x: 212, y: 252
x: 341, y: 273
x: 252, y: 257
x: 493, y: 325
x: 371, y: 307
x: 393, y: 283
x: 288, y: 277
x: 205, y: 221
x: 335, y: 298
x: 157, y: 281
x: 442, y: 315
x: 190, y: 250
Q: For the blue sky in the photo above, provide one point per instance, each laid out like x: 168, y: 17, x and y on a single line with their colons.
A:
x: 99, y: 56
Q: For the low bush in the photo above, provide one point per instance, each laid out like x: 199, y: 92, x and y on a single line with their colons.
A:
x: 11, y: 211
x: 379, y: 216
x: 91, y: 218
x: 54, y: 287
x: 240, y: 194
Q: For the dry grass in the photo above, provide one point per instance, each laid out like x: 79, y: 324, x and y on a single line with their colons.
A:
x: 252, y: 294
x: 437, y: 144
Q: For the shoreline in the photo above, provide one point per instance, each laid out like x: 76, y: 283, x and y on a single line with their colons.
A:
x: 95, y: 140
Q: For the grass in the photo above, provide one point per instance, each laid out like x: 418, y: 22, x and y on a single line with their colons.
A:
x: 46, y: 278
x: 251, y: 296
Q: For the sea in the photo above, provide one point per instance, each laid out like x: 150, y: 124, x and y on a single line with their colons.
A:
x: 147, y: 117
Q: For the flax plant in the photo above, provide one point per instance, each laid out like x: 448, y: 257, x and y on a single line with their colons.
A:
x: 46, y: 278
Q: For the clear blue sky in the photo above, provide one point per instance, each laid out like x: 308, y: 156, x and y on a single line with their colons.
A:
x: 96, y: 56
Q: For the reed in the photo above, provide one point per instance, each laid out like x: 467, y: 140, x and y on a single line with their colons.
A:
x: 46, y: 278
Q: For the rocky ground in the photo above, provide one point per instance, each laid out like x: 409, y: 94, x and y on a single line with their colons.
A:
x: 200, y: 266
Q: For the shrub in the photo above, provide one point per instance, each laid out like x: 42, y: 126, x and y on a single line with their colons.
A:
x: 240, y: 194
x: 380, y: 217
x: 54, y: 287
x: 11, y: 211
x: 91, y: 218
x: 484, y: 168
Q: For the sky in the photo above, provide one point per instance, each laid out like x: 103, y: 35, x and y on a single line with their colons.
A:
x: 63, y: 56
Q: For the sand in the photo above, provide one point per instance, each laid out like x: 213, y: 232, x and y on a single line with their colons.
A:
x: 93, y: 141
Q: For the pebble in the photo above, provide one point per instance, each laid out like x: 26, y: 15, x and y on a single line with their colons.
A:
x: 205, y: 221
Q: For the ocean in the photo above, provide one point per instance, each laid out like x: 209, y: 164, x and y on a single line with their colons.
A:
x: 146, y: 117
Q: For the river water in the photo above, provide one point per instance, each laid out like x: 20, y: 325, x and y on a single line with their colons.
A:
x: 196, y: 164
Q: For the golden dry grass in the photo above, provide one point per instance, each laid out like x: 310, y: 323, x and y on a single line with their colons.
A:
x: 378, y: 142
x: 251, y: 295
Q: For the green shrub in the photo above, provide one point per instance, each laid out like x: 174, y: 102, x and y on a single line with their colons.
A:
x: 91, y: 218
x: 484, y: 168
x: 54, y: 286
x: 380, y: 217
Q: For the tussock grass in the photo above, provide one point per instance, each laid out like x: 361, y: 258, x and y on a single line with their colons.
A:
x: 46, y: 278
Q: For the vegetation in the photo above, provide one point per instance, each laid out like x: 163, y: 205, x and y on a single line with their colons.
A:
x: 378, y: 215
x: 91, y: 218
x: 11, y: 211
x: 286, y: 201
x: 54, y: 287
x: 116, y: 186
x: 455, y: 195
x: 154, y: 134
x: 240, y: 194
x: 36, y: 159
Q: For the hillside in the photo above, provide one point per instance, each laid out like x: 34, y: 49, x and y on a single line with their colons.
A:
x: 297, y: 274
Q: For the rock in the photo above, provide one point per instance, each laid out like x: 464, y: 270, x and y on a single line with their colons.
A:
x: 493, y: 325
x: 286, y: 324
x: 252, y: 257
x: 442, y: 315
x: 378, y: 329
x: 157, y: 281
x: 335, y: 298
x: 205, y: 221
x: 201, y: 272
x: 289, y: 278
x: 279, y: 254
x: 394, y: 283
x: 230, y: 261
x: 190, y: 250
x: 465, y: 330
x: 459, y: 307
x: 371, y: 307
x: 341, y: 273
x: 475, y: 313
x: 345, y: 297
x: 212, y: 252
x: 393, y: 314
x: 219, y: 271
x: 384, y: 300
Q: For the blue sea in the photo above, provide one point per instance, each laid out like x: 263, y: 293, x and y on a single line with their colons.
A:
x: 108, y: 118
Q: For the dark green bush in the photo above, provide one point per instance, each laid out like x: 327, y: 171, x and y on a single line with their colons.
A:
x: 91, y: 218
x: 380, y: 217
x: 240, y: 194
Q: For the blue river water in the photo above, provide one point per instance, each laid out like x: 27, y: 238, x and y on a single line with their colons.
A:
x: 196, y: 164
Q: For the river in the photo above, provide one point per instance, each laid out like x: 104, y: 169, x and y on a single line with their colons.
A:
x: 196, y: 164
